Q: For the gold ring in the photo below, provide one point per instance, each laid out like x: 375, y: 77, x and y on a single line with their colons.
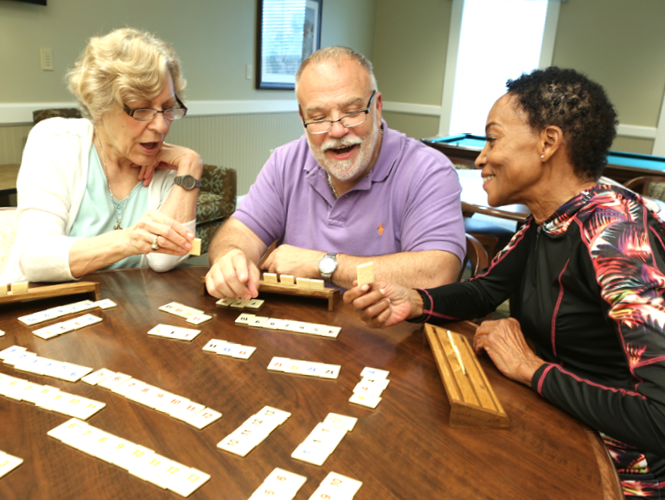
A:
x: 155, y: 246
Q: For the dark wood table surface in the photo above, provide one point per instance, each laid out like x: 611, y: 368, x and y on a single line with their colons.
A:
x: 474, y: 198
x: 403, y: 449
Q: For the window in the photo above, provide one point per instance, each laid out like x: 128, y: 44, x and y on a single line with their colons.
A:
x: 499, y: 40
x: 289, y: 31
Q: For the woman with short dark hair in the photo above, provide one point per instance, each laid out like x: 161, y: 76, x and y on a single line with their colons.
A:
x: 585, y: 274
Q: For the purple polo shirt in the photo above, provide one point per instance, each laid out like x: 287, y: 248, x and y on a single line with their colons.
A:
x: 409, y: 201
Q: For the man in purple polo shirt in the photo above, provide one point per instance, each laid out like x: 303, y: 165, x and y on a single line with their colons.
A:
x: 349, y: 191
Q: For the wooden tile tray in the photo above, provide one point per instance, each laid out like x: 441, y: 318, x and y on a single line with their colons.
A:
x: 331, y: 294
x: 472, y: 399
x: 36, y: 292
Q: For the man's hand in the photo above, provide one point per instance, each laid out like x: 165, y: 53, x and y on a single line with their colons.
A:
x: 234, y: 276
x: 300, y: 262
x: 382, y: 304
x: 504, y: 342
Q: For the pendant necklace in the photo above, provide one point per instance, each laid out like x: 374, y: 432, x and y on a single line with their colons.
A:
x: 119, y: 211
x: 331, y: 186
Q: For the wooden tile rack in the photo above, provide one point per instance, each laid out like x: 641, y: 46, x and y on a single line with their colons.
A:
x: 48, y: 291
x: 331, y: 294
x: 472, y: 399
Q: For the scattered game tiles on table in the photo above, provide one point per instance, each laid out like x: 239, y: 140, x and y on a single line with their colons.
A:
x: 240, y: 303
x: 106, y: 304
x: 253, y: 431
x: 224, y: 348
x: 336, y: 487
x: 174, y: 332
x: 368, y: 391
x: 280, y: 484
x: 48, y: 332
x: 320, y: 444
x: 178, y: 407
x: 8, y: 463
x: 48, y: 398
x: 138, y: 460
x: 189, y: 314
x: 23, y: 360
x: 288, y: 325
x: 342, y: 421
x: 301, y: 367
x: 56, y: 312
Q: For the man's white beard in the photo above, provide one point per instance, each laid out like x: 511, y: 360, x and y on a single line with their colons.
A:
x: 345, y: 170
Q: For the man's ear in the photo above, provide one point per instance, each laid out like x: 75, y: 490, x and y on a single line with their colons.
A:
x: 379, y: 106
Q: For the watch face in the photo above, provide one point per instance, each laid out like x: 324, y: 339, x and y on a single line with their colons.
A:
x: 188, y: 182
x: 327, y: 265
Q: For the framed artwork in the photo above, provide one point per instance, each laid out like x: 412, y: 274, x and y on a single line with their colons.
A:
x: 288, y: 31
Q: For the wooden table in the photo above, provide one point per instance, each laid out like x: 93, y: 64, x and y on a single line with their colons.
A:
x: 474, y: 199
x: 404, y: 449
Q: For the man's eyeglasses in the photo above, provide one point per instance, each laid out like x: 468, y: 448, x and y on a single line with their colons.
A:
x: 147, y: 114
x: 351, y: 120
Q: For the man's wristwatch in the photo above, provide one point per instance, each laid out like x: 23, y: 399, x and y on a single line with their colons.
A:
x: 327, y: 266
x: 188, y: 182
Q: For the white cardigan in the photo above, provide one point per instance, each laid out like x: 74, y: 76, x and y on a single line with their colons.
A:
x: 51, y: 184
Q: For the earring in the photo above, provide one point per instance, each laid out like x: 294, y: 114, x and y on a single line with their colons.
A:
x: 542, y: 157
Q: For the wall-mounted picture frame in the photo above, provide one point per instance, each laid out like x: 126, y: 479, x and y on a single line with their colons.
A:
x: 287, y: 32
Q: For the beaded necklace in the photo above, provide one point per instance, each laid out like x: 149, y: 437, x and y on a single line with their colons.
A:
x: 119, y: 211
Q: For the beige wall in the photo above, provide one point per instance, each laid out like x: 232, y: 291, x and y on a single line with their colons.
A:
x: 619, y: 43
x: 418, y: 126
x: 410, y: 49
x: 215, y: 40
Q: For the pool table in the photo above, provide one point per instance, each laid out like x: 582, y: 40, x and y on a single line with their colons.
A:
x: 464, y: 148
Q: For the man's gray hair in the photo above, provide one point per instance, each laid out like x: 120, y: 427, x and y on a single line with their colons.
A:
x: 337, y: 53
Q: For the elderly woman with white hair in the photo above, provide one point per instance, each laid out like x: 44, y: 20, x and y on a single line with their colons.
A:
x: 107, y: 191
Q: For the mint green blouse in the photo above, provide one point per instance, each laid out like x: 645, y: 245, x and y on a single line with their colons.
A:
x: 97, y: 214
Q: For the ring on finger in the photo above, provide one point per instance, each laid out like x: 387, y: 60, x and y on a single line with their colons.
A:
x: 155, y: 245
